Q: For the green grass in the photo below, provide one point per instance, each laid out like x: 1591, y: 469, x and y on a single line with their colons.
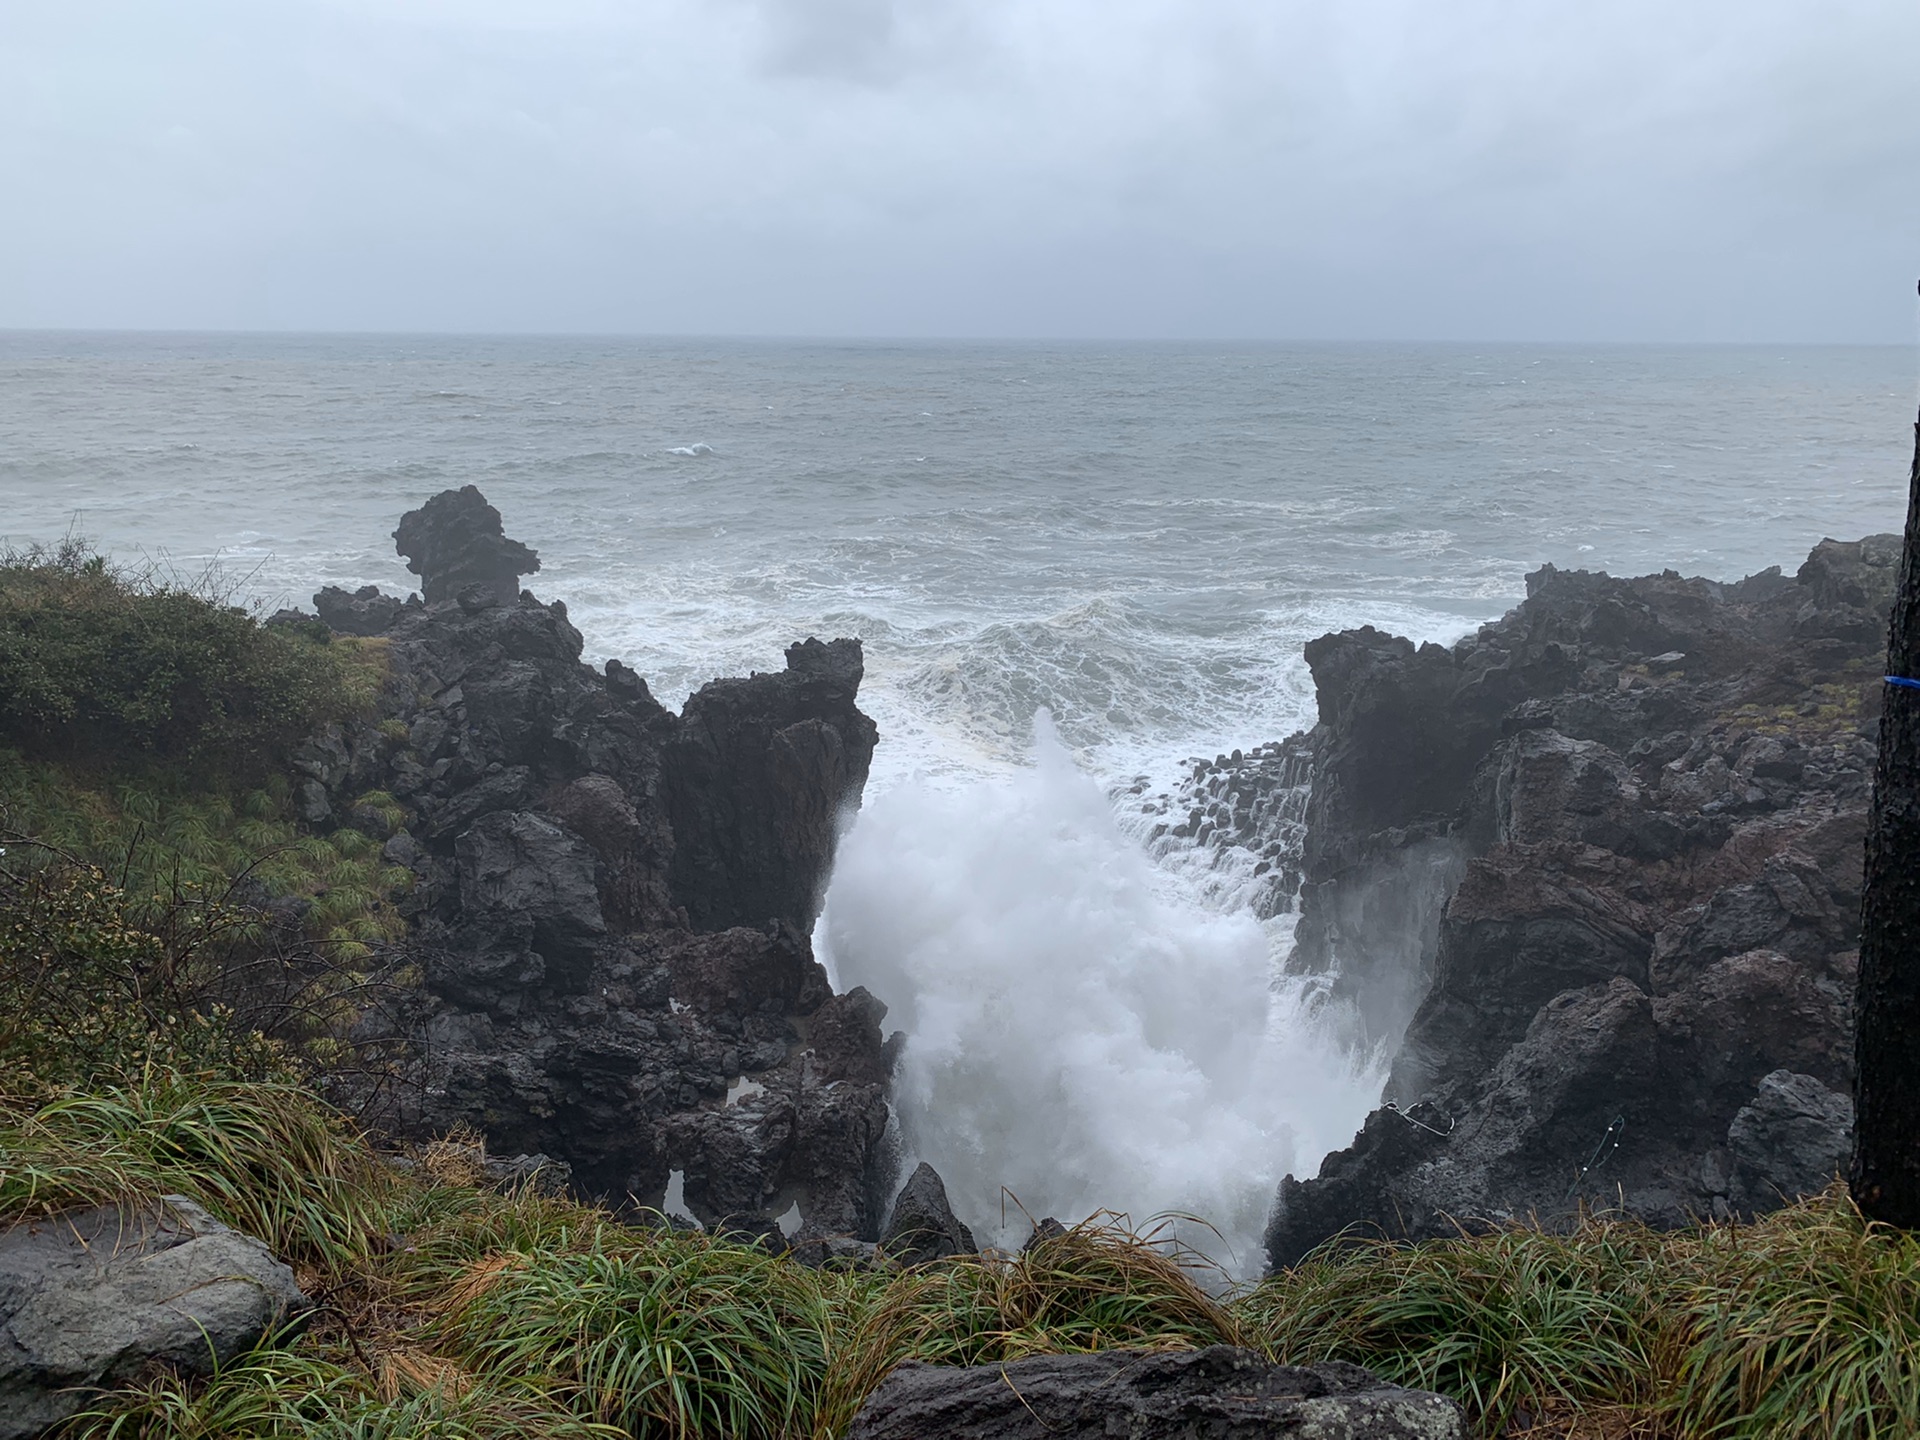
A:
x: 1499, y: 1322
x: 267, y: 1158
x: 1806, y: 1324
x: 164, y: 835
x: 450, y: 1308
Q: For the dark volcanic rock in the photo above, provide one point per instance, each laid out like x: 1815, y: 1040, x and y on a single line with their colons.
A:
x: 611, y: 902
x: 455, y: 542
x: 91, y: 1298
x: 1596, y: 870
x: 1219, y: 1393
x: 757, y: 773
x: 1790, y: 1140
x: 924, y: 1227
x: 365, y: 612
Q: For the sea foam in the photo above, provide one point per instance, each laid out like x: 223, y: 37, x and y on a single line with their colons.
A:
x: 1080, y: 1035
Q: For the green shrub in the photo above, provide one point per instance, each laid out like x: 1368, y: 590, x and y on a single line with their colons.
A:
x: 98, y: 662
x: 87, y: 993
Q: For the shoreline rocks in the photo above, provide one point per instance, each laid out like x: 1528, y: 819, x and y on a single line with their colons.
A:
x: 610, y: 903
x: 1592, y: 875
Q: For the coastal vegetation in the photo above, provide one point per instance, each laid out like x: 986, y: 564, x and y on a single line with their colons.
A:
x: 449, y: 1306
x: 179, y: 965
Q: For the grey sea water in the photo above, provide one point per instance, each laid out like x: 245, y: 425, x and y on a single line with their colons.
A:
x: 1138, y: 537
x: 1134, y: 539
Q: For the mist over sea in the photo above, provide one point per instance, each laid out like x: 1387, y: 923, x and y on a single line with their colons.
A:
x: 1073, y: 567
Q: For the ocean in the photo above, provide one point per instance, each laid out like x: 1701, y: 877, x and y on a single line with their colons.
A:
x: 1075, y: 568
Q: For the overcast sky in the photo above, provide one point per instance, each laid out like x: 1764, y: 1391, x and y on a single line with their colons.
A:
x: 1390, y: 169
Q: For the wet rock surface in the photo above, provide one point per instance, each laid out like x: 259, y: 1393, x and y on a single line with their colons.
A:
x: 923, y: 1227
x: 90, y: 1298
x: 1595, y: 872
x: 457, y: 546
x: 609, y: 903
x: 1220, y: 1393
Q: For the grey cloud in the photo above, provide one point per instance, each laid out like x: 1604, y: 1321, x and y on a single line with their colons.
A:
x: 1377, y: 168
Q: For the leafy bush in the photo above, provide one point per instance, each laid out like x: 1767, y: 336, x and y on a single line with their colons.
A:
x: 88, y: 993
x: 97, y: 985
x: 102, y: 662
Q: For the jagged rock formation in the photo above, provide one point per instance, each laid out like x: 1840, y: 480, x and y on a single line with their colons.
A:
x: 1219, y: 1392
x: 611, y: 902
x: 923, y: 1226
x: 1599, y: 865
x: 364, y: 612
x: 454, y: 542
x: 92, y: 1298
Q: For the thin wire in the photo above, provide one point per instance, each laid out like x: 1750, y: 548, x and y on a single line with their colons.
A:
x: 1394, y: 1109
x: 1602, y: 1153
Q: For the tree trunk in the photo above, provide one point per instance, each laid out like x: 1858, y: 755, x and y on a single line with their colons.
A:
x: 1886, y: 1087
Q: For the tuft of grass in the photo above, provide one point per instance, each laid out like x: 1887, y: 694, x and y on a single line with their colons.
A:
x: 1803, y: 1326
x: 689, y: 1337
x: 269, y: 1159
x: 166, y: 834
x: 1500, y: 1322
x: 278, y: 1393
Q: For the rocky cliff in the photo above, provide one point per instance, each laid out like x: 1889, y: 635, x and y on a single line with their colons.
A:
x: 1593, y: 875
x: 611, y: 903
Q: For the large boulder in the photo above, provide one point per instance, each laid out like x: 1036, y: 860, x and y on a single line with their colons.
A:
x: 1789, y: 1141
x: 1220, y: 1393
x: 364, y: 612
x: 92, y: 1297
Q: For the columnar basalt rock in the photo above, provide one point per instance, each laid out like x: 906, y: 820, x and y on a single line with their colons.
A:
x: 1596, y: 871
x: 611, y: 902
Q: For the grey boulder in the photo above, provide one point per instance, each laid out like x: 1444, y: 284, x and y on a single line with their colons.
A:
x: 1219, y: 1393
x: 89, y: 1298
x: 1789, y: 1140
